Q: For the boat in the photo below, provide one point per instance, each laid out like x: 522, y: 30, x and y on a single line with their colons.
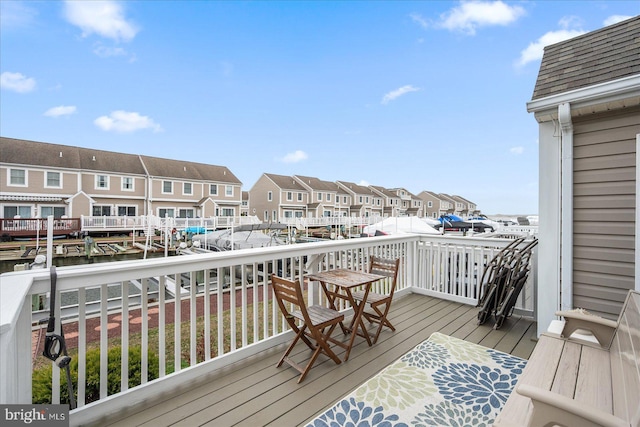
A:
x: 242, y: 237
x: 484, y: 220
x: 398, y: 225
x: 452, y: 222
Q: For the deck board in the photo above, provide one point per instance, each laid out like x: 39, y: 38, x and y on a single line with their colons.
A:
x: 256, y: 393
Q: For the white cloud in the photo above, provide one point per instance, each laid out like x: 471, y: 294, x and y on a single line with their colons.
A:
x: 516, y: 150
x: 295, y: 157
x: 124, y: 121
x: 614, y: 19
x: 417, y: 18
x: 571, y: 21
x: 106, y: 51
x: 15, y: 14
x: 398, y: 93
x: 364, y: 183
x: 17, y: 82
x: 534, y: 51
x: 471, y: 15
x: 61, y: 110
x: 105, y: 18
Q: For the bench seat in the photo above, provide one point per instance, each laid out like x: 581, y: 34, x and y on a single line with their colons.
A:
x: 570, y: 382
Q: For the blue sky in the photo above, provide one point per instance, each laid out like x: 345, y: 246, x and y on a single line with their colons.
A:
x: 421, y: 95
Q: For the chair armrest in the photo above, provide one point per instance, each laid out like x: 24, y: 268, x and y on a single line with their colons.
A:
x: 550, y: 408
x: 603, y: 329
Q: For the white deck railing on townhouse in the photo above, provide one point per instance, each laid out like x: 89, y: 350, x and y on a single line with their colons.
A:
x: 446, y: 267
x: 144, y: 223
x: 330, y: 221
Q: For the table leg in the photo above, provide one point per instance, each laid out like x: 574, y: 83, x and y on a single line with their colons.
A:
x: 357, y: 319
x: 331, y: 298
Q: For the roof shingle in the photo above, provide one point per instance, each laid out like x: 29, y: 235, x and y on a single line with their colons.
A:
x: 597, y: 57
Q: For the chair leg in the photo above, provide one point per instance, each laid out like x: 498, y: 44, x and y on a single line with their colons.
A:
x: 382, y: 321
x: 321, y: 347
x: 324, y: 344
x: 299, y: 335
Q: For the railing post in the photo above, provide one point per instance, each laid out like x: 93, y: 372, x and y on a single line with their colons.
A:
x: 15, y: 343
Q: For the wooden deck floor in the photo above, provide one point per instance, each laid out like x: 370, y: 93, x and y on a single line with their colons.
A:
x: 256, y: 393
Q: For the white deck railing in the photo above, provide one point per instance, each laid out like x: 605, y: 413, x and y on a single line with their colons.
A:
x: 145, y: 223
x: 446, y: 267
x: 331, y: 221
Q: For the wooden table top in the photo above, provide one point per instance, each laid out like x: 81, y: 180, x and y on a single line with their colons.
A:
x: 344, y: 277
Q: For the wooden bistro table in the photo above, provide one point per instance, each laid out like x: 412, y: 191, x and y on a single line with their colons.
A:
x: 338, y: 284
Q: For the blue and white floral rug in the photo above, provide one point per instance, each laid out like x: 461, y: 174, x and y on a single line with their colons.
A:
x: 444, y: 381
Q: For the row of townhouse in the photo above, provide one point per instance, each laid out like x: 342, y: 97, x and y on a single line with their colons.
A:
x: 41, y: 179
x: 275, y: 197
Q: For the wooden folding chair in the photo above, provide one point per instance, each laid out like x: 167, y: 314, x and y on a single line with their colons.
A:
x: 380, y: 303
x: 313, y: 324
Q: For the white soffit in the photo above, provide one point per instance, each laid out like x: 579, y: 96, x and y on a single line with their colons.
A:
x: 621, y: 93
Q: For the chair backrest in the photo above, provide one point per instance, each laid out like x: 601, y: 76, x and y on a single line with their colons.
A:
x: 625, y: 361
x: 289, y: 291
x: 385, y: 267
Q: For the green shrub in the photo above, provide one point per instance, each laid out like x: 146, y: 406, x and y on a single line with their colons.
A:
x: 41, y: 383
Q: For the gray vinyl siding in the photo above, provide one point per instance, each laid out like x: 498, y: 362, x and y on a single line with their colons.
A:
x: 604, y: 210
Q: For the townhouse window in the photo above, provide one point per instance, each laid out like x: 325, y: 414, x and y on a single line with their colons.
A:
x: 185, y: 213
x: 57, y: 211
x: 187, y: 188
x: 360, y: 199
x: 18, y: 177
x: 298, y: 214
x: 167, y: 187
x: 12, y: 211
x: 328, y: 197
x: 53, y: 180
x: 319, y: 197
x: 288, y: 214
x: 166, y: 212
x: 269, y: 196
x: 299, y: 197
x: 274, y: 216
x: 228, y: 190
x: 266, y: 216
x: 126, y: 211
x: 366, y: 200
x: 127, y: 183
x: 228, y: 212
x: 344, y: 200
x: 102, y: 182
x: 245, y: 203
x: 326, y: 214
x: 213, y: 189
x: 101, y: 210
x: 430, y: 204
x: 289, y: 197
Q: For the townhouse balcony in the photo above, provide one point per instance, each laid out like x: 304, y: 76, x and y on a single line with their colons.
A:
x: 231, y: 335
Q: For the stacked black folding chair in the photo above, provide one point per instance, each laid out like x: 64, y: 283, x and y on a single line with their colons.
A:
x: 517, y: 278
x: 503, y: 279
